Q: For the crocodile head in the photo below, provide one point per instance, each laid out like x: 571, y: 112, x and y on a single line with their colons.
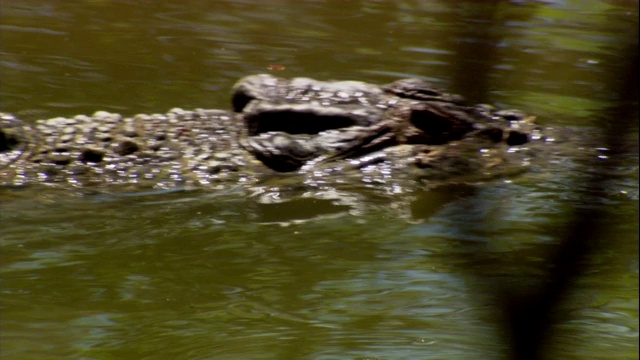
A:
x: 289, y: 123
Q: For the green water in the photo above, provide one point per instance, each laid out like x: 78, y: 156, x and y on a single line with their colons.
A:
x: 362, y: 272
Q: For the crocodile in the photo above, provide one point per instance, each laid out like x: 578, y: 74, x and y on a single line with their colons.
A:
x: 310, y: 129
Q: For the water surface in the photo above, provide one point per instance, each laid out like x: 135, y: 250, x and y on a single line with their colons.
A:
x: 360, y: 272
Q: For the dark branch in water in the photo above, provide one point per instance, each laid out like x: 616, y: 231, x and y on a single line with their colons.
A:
x: 529, y: 312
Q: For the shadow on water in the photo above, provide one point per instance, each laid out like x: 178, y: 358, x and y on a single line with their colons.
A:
x: 530, y: 302
x: 479, y: 38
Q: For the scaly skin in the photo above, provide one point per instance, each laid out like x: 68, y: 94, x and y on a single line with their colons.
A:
x: 314, y: 128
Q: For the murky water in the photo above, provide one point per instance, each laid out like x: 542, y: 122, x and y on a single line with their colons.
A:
x: 350, y: 273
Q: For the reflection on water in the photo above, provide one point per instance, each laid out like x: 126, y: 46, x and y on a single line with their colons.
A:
x: 306, y: 273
